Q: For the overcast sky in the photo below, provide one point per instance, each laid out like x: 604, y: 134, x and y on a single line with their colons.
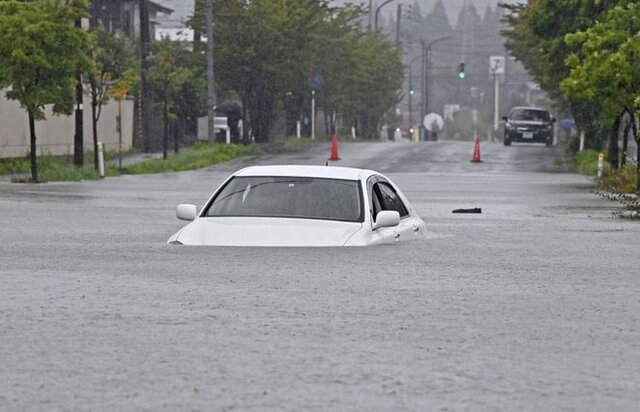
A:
x: 184, y: 8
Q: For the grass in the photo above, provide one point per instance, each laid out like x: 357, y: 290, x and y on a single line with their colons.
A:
x: 198, y: 156
x: 61, y: 168
x: 50, y: 169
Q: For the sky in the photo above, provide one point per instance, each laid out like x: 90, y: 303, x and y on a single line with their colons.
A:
x: 184, y: 8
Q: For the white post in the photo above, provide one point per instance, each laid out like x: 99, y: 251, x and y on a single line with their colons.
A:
x: 353, y: 133
x: 600, y: 164
x: 582, y: 140
x: 298, y: 129
x: 100, y: 160
x: 474, y: 113
x: 497, y: 104
x: 228, y: 134
x: 313, y: 114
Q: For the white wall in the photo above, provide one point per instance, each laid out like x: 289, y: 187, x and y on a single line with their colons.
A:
x: 55, y: 134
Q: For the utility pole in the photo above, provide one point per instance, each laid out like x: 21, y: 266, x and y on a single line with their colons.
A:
x: 398, y: 17
x: 78, y: 138
x: 146, y: 93
x: 211, y: 97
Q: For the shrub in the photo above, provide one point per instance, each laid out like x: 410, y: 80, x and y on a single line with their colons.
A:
x: 621, y: 186
x: 587, y: 162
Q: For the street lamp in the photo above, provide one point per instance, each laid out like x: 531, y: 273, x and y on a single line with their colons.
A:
x: 378, y: 12
x: 426, y: 51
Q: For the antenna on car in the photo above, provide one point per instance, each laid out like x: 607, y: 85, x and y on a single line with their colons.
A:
x: 327, y: 164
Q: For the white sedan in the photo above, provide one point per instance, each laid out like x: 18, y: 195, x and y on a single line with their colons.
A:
x: 301, y: 206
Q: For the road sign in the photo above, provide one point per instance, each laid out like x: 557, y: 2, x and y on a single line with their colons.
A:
x: 496, y: 65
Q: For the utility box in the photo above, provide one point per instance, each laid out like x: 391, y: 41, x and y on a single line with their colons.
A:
x: 221, y: 129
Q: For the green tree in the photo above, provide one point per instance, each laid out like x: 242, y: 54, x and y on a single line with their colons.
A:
x: 113, y: 69
x: 537, y: 39
x: 607, y: 67
x: 40, y: 51
x: 170, y: 81
x: 369, y: 84
x: 267, y: 52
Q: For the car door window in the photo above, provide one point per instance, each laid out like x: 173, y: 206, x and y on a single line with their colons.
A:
x: 388, y: 199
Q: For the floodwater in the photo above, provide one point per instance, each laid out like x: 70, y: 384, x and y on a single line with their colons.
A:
x: 532, y: 305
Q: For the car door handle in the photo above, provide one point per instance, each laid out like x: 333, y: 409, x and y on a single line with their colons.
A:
x: 397, y: 236
x: 416, y: 229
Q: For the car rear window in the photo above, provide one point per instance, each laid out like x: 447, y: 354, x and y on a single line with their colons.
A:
x: 289, y: 197
x: 530, y: 114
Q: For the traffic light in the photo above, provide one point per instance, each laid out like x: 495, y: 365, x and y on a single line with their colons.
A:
x: 461, y: 71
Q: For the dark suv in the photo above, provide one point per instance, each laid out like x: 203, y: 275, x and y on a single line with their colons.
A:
x: 528, y: 124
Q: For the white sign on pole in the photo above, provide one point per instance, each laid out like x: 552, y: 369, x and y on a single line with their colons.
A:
x: 496, y: 65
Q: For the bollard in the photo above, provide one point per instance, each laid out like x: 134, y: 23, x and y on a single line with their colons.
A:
x: 600, y: 164
x: 100, y: 160
x: 582, y: 140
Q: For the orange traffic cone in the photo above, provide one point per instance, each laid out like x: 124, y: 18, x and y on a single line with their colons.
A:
x: 334, y: 148
x: 476, y: 151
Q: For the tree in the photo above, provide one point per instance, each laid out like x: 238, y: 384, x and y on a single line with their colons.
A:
x: 113, y: 69
x: 368, y: 86
x: 268, y: 52
x: 169, y: 80
x: 537, y: 39
x: 606, y: 67
x: 40, y: 51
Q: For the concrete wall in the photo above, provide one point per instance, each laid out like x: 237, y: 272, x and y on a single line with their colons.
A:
x: 55, y: 134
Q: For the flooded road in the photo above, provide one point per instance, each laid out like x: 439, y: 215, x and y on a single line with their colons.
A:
x: 533, y: 304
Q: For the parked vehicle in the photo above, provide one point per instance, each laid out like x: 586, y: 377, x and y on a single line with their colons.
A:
x: 301, y: 206
x: 528, y: 124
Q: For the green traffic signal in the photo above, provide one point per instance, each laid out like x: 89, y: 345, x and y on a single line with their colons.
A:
x: 461, y: 71
x: 461, y: 75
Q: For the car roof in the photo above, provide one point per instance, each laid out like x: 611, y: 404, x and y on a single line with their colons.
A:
x: 328, y: 172
x: 529, y: 108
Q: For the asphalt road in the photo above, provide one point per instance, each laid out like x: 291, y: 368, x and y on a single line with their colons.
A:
x: 532, y: 305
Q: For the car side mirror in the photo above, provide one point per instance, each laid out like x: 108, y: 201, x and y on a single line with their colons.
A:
x: 186, y: 212
x: 386, y: 218
x: 553, y: 120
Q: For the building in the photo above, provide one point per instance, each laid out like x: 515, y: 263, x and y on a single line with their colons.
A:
x: 56, y: 133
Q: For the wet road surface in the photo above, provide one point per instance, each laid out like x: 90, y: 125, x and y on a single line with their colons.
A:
x: 532, y: 305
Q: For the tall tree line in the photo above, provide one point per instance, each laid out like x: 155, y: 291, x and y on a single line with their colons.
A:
x: 270, y: 55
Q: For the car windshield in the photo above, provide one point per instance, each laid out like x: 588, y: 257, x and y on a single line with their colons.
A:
x: 289, y: 197
x: 530, y: 114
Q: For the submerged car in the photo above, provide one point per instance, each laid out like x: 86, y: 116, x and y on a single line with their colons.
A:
x: 528, y: 124
x: 301, y: 206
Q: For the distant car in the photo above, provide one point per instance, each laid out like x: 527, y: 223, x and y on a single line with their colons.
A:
x: 528, y: 124
x: 301, y: 206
